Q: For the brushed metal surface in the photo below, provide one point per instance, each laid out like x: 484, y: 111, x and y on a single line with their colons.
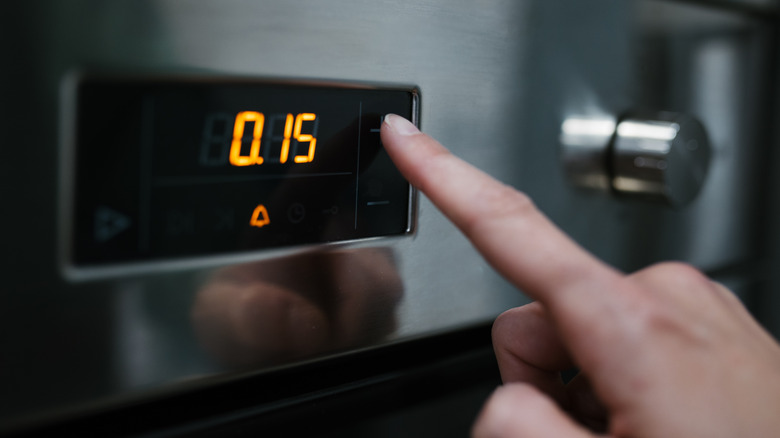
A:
x: 498, y: 77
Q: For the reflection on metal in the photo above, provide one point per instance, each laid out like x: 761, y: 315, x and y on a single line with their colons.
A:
x: 585, y: 142
x: 281, y: 310
x: 663, y: 158
x: 648, y: 130
x: 578, y: 128
x: 499, y: 81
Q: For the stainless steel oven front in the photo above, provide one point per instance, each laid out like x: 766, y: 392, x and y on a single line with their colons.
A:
x: 195, y: 197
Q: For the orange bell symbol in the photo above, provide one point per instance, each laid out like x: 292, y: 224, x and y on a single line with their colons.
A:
x: 260, y: 217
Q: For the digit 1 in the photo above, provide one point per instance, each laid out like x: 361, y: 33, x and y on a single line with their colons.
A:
x: 254, y: 157
x: 303, y: 138
x: 272, y: 138
x: 288, y: 128
x: 214, y: 147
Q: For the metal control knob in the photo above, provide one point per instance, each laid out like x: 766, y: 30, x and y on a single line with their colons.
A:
x: 663, y: 158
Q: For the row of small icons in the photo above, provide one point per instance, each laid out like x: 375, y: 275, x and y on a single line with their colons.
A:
x: 296, y: 212
x: 109, y: 222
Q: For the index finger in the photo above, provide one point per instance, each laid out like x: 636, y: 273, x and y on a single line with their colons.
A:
x: 501, y: 222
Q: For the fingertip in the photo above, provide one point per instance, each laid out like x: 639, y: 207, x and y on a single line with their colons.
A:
x: 497, y: 416
x: 494, y: 415
x: 400, y: 125
x: 410, y: 149
x: 521, y: 410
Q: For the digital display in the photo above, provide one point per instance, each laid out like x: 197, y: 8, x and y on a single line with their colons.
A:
x: 166, y: 169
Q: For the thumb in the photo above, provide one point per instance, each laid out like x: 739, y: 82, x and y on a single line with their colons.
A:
x: 520, y: 410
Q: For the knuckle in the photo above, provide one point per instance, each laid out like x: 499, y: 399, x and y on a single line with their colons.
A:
x: 506, y: 324
x: 503, y: 323
x: 506, y: 319
x: 674, y: 278
x: 678, y: 299
x: 681, y: 270
x: 504, y: 328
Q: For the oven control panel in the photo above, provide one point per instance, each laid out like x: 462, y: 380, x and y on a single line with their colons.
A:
x: 165, y: 170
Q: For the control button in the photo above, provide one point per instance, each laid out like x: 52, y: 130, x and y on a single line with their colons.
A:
x: 378, y: 129
x: 663, y: 157
x: 296, y: 212
x: 109, y: 223
x: 375, y: 188
x: 260, y: 217
x: 375, y: 191
x: 331, y: 211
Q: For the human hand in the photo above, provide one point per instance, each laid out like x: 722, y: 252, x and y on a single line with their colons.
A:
x: 281, y: 310
x: 663, y: 352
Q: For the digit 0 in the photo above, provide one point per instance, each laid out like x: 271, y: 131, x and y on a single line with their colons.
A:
x: 305, y: 138
x: 254, y: 157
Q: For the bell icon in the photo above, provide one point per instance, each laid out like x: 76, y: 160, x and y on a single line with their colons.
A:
x: 260, y: 217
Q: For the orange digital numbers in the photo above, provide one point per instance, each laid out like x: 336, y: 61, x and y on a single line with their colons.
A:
x: 291, y: 138
x: 288, y: 128
x: 305, y: 138
x: 254, y: 157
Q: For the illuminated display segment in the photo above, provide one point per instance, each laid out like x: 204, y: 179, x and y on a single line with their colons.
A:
x: 260, y: 217
x: 257, y: 121
x: 288, y: 124
x: 205, y: 168
x: 254, y: 157
x: 305, y: 138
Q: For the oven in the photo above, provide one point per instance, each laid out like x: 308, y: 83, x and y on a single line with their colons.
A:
x: 203, y: 234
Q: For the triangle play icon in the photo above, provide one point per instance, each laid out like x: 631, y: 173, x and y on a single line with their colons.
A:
x: 109, y: 223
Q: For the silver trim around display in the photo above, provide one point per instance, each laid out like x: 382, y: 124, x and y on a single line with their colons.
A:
x: 67, y: 175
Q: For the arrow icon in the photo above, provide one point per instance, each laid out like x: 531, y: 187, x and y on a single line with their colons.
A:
x: 109, y: 223
x: 260, y: 217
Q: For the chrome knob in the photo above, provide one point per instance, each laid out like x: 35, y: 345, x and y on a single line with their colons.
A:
x: 665, y: 157
x: 662, y: 158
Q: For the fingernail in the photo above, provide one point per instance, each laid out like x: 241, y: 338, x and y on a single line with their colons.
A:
x: 400, y: 125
